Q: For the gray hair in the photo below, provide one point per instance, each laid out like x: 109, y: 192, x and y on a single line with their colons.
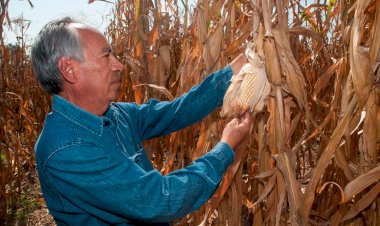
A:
x: 54, y: 41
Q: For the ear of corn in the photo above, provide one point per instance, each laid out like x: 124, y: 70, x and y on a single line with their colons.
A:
x: 248, y: 89
x: 271, y: 61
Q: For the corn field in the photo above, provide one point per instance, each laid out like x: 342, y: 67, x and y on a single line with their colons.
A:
x: 312, y: 156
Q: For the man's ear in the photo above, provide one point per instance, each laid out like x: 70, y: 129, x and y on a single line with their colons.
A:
x: 65, y: 66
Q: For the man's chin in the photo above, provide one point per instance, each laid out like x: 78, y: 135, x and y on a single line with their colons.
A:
x: 115, y: 96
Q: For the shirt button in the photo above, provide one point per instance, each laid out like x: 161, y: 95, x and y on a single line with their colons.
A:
x: 107, y: 123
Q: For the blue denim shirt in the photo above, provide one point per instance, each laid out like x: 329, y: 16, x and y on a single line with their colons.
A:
x: 94, y: 171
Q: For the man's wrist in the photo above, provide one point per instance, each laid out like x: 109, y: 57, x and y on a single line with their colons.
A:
x: 224, y: 152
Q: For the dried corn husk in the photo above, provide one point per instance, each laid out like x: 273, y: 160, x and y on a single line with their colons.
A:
x: 359, y: 55
x: 272, y: 63
x: 248, y: 89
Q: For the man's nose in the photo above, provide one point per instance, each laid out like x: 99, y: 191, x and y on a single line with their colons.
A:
x: 116, y: 65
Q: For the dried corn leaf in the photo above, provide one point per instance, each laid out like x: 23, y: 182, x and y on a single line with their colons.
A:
x: 370, y: 129
x: 375, y: 46
x: 325, y: 158
x: 290, y: 68
x: 362, y: 182
x: 266, y: 174
x: 323, y: 80
x: 233, y: 199
x: 343, y: 164
x: 337, y: 185
x: 304, y: 31
x: 238, y: 41
x: 207, y: 137
x: 228, y: 177
x: 135, y: 77
x: 337, y: 97
x: 159, y: 88
x: 286, y: 164
x: 267, y: 189
x: 363, y: 203
x: 281, y: 189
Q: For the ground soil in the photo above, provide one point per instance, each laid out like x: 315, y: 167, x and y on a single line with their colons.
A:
x: 40, y: 217
x: 31, y: 207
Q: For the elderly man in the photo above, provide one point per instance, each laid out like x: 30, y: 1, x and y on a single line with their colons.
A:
x: 92, y: 167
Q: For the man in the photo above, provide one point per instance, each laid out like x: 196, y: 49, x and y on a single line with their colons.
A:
x: 92, y: 167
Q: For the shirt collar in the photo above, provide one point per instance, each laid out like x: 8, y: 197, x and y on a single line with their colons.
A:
x: 87, y: 120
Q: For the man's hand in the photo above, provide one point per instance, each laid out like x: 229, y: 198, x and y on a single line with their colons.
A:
x: 238, y: 63
x: 236, y: 130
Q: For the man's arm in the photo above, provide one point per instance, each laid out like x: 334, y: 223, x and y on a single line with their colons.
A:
x: 156, y: 118
x: 117, y: 190
x: 110, y: 186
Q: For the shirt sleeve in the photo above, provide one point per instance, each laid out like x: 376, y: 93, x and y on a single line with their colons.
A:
x: 157, y: 118
x: 116, y: 190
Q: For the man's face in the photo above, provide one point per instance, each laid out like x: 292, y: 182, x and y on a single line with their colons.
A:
x: 99, y: 73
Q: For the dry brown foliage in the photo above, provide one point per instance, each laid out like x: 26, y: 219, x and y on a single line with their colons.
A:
x: 23, y: 109
x: 312, y: 157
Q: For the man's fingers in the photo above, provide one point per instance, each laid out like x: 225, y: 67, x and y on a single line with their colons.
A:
x: 234, y: 121
x: 243, y: 120
x: 246, y: 117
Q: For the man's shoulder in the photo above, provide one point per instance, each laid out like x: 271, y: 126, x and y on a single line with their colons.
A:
x: 124, y: 105
x: 126, y: 109
x: 58, y: 132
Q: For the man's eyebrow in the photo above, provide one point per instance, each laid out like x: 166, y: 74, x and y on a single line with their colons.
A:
x: 107, y: 50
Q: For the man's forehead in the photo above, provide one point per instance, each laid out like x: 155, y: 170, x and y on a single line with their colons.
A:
x: 78, y: 26
x: 86, y: 31
x: 83, y: 28
x: 88, y: 35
